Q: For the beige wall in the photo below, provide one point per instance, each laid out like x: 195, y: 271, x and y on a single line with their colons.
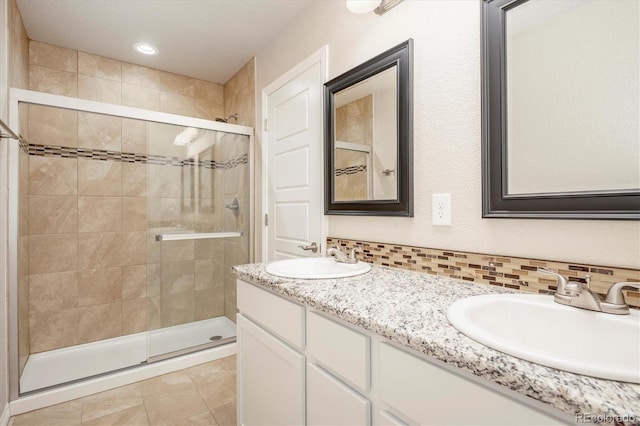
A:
x: 446, y: 133
x: 18, y: 76
x: 112, y: 302
x: 13, y: 72
x: 82, y: 75
x: 354, y: 124
x: 239, y: 95
x: 18, y: 48
x: 240, y: 98
x: 95, y: 270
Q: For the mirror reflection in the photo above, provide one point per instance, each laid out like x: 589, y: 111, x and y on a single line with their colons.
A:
x: 366, y: 141
x: 572, y: 96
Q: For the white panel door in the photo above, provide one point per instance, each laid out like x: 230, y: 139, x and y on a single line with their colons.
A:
x: 294, y: 163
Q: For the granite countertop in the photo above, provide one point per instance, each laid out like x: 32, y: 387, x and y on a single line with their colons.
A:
x: 409, y: 308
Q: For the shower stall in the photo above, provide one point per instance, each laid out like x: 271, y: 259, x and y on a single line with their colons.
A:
x: 124, y: 224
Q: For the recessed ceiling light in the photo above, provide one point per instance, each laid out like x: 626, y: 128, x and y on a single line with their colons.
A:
x: 146, y: 48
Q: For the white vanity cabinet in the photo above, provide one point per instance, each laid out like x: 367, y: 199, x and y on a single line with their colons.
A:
x: 300, y: 366
x: 338, y: 373
x: 271, y: 368
x: 271, y: 379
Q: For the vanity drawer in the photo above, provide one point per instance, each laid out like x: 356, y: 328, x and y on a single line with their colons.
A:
x: 339, y: 349
x: 430, y: 394
x: 280, y: 316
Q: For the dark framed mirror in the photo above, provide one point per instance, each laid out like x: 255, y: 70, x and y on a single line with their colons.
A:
x: 368, y: 125
x: 560, y: 109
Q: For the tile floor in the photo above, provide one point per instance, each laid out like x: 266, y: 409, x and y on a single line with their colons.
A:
x: 200, y: 395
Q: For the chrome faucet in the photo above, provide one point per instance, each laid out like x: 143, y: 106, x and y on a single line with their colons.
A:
x: 579, y: 295
x: 343, y: 257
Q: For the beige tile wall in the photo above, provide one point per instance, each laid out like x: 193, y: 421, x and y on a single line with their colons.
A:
x: 503, y: 271
x: 354, y: 121
x: 23, y: 261
x: 240, y: 98
x: 354, y: 124
x: 18, y: 76
x: 76, y: 238
x: 96, y: 270
x: 18, y: 48
x: 351, y: 175
x: 68, y: 72
x: 240, y: 95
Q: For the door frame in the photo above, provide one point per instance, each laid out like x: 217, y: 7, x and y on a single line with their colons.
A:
x: 320, y: 56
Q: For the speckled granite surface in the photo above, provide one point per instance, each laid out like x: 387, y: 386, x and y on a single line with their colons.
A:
x: 410, y: 308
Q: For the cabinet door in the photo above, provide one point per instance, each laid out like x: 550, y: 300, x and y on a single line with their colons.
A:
x: 330, y: 402
x: 270, y: 378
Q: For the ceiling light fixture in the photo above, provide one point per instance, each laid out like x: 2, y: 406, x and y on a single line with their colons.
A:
x: 146, y: 48
x: 380, y: 7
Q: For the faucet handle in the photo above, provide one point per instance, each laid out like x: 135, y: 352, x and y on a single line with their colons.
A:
x: 562, y: 281
x: 352, y: 254
x: 615, y: 296
x: 614, y: 302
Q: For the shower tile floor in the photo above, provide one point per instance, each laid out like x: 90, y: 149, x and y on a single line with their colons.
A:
x: 201, y: 395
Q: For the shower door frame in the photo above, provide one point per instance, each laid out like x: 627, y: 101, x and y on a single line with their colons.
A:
x: 16, y: 96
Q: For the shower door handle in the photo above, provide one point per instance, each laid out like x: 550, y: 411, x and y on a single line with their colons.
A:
x: 313, y: 247
x: 197, y: 236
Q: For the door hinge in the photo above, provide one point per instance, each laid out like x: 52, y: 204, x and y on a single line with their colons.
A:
x: 266, y: 219
x: 266, y: 124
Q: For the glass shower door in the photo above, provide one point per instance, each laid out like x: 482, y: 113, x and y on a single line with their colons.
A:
x: 198, y: 199
x: 95, y: 292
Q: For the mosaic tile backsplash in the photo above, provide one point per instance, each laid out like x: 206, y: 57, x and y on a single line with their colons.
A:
x: 503, y: 271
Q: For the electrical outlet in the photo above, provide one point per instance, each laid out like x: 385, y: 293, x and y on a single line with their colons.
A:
x: 441, y: 206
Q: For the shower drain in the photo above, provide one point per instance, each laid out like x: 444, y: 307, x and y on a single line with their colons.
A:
x: 214, y: 338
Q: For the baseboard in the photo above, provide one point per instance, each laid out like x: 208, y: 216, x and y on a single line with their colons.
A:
x: 6, y: 415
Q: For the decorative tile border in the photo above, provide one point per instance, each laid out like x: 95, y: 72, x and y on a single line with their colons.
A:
x: 503, y: 271
x: 352, y: 170
x: 24, y: 146
x: 128, y: 157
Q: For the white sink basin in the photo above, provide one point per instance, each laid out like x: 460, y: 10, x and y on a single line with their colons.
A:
x: 535, y: 328
x: 316, y: 268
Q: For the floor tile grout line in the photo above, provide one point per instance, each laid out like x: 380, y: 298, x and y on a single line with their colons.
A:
x: 146, y: 412
x: 202, y: 396
x: 190, y: 374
